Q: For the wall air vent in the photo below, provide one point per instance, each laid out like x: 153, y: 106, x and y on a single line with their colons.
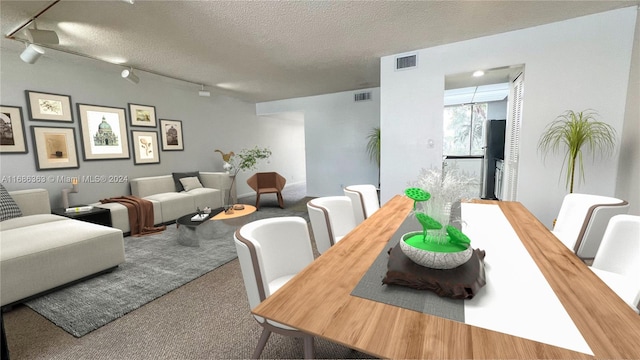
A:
x: 406, y: 62
x: 363, y: 96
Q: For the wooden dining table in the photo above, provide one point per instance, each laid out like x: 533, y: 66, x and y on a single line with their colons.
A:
x: 319, y: 300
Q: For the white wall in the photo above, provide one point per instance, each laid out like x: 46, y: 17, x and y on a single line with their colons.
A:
x: 336, y: 128
x: 289, y: 130
x: 209, y: 123
x: 575, y: 64
x: 628, y: 185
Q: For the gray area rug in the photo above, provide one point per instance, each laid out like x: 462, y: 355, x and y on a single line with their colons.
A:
x: 155, y: 265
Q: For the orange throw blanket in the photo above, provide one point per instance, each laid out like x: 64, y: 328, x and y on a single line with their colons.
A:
x: 140, y: 214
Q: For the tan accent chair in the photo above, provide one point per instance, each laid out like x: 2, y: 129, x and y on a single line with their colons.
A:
x: 267, y: 183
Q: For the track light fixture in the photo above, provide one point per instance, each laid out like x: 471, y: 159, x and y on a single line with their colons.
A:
x: 204, y: 92
x: 31, y: 54
x: 42, y: 36
x: 128, y: 75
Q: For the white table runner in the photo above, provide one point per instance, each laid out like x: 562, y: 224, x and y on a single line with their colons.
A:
x: 517, y: 299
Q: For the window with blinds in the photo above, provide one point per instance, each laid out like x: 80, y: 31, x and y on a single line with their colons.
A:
x: 512, y: 150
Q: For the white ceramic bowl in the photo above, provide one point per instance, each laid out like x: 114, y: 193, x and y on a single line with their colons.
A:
x: 432, y: 259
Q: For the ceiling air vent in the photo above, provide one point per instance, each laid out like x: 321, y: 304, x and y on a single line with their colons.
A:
x: 406, y: 62
x: 363, y: 96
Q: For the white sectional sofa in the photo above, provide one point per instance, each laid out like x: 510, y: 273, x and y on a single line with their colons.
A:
x: 40, y: 251
x: 169, y: 201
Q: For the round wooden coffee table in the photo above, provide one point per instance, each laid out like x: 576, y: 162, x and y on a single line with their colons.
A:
x: 236, y: 218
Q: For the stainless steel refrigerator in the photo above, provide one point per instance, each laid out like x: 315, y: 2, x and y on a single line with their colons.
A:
x: 493, y: 151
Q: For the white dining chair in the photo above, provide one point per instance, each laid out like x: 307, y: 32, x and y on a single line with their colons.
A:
x: 271, y: 252
x: 331, y: 219
x: 582, y: 220
x: 364, y: 200
x: 617, y: 261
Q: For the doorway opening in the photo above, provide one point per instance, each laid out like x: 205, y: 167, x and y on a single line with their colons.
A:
x: 477, y: 128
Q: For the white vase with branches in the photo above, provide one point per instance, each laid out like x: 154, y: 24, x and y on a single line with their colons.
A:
x: 245, y: 160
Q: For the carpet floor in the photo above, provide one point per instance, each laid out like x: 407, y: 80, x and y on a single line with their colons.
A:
x: 155, y: 264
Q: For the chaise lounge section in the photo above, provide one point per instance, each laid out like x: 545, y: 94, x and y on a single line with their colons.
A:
x: 41, y: 251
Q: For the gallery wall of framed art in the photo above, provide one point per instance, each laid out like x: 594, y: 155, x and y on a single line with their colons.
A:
x: 103, y: 132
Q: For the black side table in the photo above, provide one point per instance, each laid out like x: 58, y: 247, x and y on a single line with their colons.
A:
x: 97, y: 215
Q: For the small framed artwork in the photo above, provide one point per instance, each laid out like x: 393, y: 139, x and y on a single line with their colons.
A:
x: 55, y: 148
x: 49, y: 107
x: 145, y: 147
x: 104, y: 132
x: 142, y: 115
x: 171, y: 131
x: 12, y: 136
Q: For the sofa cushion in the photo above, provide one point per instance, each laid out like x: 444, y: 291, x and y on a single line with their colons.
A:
x: 29, y: 220
x: 8, y: 207
x: 174, y: 205
x: 190, y: 183
x: 179, y: 175
x: 205, y: 197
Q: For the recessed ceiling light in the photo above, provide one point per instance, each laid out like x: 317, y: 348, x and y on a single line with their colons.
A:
x: 478, y: 73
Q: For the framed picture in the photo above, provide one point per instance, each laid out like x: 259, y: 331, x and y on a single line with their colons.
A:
x: 55, y: 147
x: 145, y: 147
x: 104, y: 132
x: 171, y: 131
x: 142, y: 115
x: 49, y: 107
x: 12, y: 136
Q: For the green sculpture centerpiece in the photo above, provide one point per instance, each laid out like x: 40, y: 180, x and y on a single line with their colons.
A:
x: 437, y: 246
x: 454, y: 240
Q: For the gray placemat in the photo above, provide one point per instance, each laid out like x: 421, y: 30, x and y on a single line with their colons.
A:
x: 371, y: 287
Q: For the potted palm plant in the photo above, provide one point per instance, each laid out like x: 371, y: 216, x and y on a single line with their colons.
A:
x: 571, y: 132
x: 373, y: 148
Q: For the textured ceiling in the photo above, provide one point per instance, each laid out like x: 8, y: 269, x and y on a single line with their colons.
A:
x: 266, y: 50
